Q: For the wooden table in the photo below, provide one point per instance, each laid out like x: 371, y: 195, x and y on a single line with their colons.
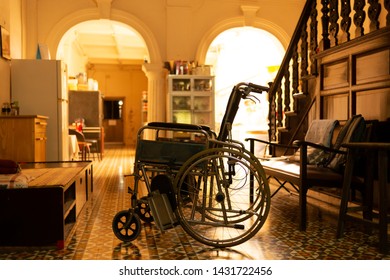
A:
x: 44, y: 213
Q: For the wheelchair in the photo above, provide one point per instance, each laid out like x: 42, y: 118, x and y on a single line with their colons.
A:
x: 207, y: 183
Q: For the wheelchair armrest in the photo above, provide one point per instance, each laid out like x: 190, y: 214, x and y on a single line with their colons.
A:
x: 176, y: 125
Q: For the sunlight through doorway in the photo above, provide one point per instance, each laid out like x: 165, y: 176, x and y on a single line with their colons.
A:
x: 244, y: 54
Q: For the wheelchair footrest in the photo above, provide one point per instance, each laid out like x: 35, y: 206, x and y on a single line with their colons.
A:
x: 161, y: 209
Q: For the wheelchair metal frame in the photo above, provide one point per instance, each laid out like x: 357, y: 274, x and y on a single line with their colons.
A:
x: 204, y: 177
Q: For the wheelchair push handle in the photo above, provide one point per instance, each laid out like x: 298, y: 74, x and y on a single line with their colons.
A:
x: 240, y: 91
x: 245, y: 89
x: 257, y: 88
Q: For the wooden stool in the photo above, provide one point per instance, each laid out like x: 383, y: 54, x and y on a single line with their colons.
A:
x: 381, y: 150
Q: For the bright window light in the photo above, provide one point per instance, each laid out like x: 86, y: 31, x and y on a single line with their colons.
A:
x: 244, y: 54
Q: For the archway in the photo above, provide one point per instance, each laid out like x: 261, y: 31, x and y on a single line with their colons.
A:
x: 118, y: 76
x: 101, y: 42
x: 152, y: 69
x: 244, y: 54
x: 57, y: 32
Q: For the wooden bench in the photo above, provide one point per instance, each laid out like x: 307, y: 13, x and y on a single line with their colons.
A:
x: 303, y: 175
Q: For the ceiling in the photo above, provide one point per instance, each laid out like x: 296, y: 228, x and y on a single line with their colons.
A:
x: 105, y: 41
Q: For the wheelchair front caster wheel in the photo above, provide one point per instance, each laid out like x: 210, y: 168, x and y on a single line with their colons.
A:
x: 126, y: 225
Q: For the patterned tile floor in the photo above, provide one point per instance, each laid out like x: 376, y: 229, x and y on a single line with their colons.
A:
x: 279, y: 239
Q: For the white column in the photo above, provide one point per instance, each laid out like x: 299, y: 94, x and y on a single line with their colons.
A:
x: 156, y: 75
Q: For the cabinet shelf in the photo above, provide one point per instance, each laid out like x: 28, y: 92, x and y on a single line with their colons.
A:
x: 68, y: 207
x: 69, y: 199
x: 191, y: 99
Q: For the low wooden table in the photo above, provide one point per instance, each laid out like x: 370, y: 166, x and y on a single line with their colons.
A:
x: 44, y: 213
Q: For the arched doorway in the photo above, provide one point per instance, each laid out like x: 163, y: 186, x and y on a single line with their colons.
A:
x: 244, y: 54
x: 111, y: 54
x: 152, y: 69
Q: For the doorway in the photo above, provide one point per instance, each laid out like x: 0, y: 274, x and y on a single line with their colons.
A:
x: 113, y: 109
x: 111, y: 54
x: 244, y: 54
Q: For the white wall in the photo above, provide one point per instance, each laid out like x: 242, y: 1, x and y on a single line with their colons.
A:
x: 4, y: 81
x: 4, y: 65
x: 5, y: 13
x: 10, y: 19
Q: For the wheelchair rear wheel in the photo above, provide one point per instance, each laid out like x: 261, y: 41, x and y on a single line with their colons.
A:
x: 223, y: 197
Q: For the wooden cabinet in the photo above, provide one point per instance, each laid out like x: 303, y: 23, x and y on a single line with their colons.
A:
x: 191, y: 99
x: 45, y: 213
x: 23, y: 138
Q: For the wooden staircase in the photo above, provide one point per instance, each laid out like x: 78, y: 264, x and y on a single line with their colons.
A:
x: 323, y: 25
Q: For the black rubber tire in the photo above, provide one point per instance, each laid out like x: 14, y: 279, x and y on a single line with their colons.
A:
x: 122, y: 229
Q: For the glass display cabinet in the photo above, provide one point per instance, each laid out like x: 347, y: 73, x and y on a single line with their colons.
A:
x: 191, y: 99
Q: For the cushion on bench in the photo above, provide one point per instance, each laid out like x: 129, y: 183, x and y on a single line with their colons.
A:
x: 353, y: 131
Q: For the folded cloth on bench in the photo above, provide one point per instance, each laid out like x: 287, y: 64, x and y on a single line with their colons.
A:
x: 14, y: 181
x: 320, y: 132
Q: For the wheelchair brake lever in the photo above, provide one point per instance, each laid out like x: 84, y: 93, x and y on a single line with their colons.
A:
x: 252, y: 98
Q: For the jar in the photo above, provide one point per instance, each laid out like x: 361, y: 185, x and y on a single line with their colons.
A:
x: 6, y: 109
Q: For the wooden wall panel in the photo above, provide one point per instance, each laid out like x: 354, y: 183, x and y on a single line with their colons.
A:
x: 335, y: 107
x: 373, y: 66
x: 335, y: 75
x: 374, y: 104
x: 355, y: 78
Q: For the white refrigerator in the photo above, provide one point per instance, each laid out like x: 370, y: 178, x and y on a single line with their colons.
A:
x: 40, y: 88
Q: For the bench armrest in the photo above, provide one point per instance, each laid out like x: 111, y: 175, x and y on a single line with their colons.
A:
x: 368, y: 145
x: 300, y: 143
x: 252, y: 140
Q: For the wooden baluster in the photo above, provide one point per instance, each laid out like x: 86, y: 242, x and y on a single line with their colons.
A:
x: 325, y: 25
x: 334, y: 26
x: 272, y: 117
x: 345, y: 21
x: 387, y: 7
x: 313, y: 39
x: 287, y: 91
x: 295, y: 76
x: 279, y: 102
x: 373, y: 14
x: 287, y: 99
x: 304, y: 62
x: 359, y: 17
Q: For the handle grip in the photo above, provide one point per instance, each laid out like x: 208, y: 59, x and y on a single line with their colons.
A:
x: 257, y: 88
